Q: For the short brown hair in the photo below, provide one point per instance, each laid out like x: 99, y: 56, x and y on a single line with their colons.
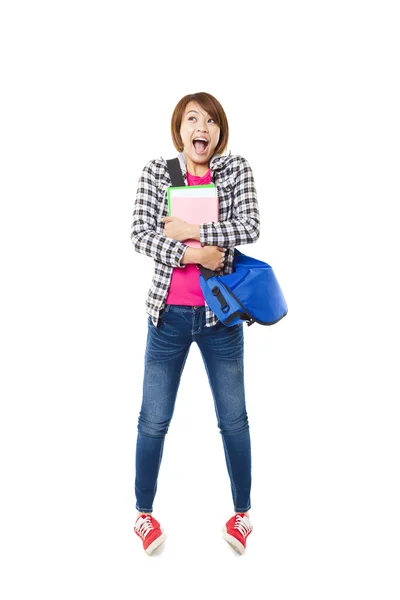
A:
x: 212, y: 107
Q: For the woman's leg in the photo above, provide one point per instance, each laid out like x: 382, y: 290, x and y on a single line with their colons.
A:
x: 167, y: 349
x: 222, y: 349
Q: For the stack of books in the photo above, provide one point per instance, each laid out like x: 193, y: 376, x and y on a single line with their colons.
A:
x: 195, y: 204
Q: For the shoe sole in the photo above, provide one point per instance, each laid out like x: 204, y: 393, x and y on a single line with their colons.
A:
x: 157, y: 542
x: 236, y: 545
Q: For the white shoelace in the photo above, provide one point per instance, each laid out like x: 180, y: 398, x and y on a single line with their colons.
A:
x: 243, y: 524
x: 144, y: 527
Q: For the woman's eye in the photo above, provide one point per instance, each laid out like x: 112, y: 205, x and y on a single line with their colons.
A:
x: 190, y: 118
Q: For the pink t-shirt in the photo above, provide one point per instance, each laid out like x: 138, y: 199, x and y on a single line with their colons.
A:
x: 185, y: 283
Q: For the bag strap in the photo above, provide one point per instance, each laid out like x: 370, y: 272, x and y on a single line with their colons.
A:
x: 175, y: 172
x: 177, y: 180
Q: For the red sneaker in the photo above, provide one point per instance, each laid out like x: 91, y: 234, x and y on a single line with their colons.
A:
x: 150, y: 531
x: 236, y: 531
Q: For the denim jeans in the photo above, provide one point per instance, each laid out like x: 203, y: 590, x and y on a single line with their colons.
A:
x: 167, y: 349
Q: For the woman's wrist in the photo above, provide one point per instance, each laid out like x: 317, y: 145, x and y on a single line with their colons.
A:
x: 192, y: 256
x: 193, y: 232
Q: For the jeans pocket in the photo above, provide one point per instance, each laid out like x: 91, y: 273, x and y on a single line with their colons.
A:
x: 163, y: 311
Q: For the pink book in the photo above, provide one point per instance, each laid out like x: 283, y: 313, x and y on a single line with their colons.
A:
x: 194, y: 210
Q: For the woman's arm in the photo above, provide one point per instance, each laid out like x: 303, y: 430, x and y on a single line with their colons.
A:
x: 244, y: 228
x: 144, y: 236
x: 192, y: 256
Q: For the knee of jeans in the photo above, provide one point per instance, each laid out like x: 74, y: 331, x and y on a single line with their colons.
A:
x: 234, y: 426
x: 153, y: 428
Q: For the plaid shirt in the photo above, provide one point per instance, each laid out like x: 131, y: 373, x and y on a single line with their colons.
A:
x: 239, y: 222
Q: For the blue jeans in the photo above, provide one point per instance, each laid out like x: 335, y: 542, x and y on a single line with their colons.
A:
x: 167, y: 349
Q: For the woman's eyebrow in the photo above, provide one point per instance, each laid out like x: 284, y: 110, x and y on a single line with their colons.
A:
x: 195, y: 111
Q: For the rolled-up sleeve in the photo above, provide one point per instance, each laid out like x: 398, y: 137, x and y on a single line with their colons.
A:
x: 145, y: 239
x: 244, y: 228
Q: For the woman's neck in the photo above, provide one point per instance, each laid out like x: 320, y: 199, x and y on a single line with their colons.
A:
x: 196, y: 168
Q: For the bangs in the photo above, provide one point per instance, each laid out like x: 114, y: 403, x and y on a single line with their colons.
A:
x: 207, y: 105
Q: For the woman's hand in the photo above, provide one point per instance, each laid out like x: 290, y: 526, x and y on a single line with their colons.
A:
x: 175, y: 228
x: 213, y: 257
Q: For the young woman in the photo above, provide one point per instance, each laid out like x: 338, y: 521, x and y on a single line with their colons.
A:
x: 178, y: 314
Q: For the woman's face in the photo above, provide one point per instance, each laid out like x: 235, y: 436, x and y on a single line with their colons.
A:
x: 198, y: 125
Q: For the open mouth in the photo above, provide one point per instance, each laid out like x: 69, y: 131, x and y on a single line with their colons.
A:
x: 200, y: 145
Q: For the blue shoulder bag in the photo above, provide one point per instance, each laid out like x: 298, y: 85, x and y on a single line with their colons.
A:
x: 251, y: 293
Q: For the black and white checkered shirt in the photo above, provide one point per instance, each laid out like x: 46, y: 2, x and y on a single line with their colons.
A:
x: 239, y: 221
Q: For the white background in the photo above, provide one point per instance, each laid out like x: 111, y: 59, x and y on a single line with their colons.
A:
x: 311, y: 91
